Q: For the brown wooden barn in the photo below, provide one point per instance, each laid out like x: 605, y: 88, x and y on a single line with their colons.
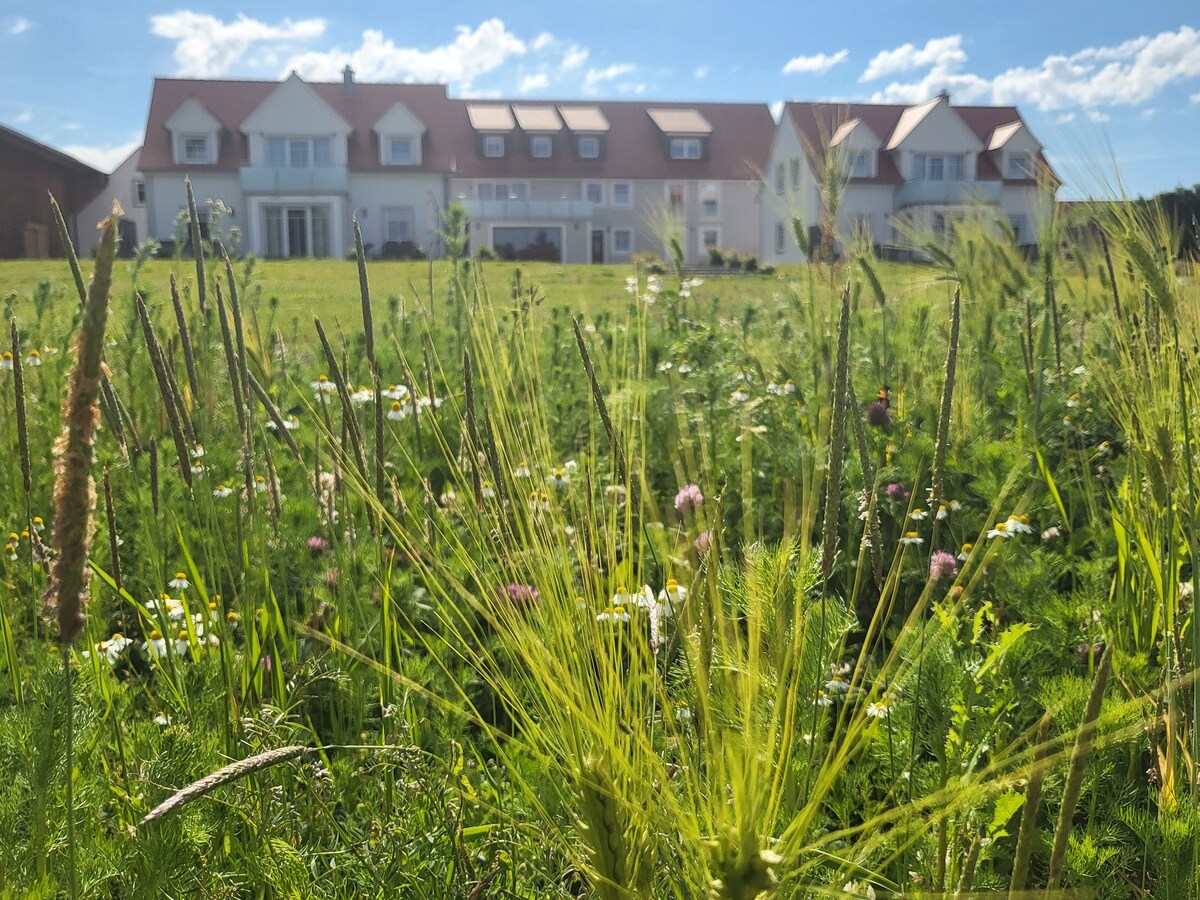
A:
x: 29, y: 172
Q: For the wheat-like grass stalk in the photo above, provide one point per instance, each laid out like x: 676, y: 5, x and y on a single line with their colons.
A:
x: 837, y: 440
x: 937, y: 487
x: 197, y: 246
x: 185, y: 340
x: 231, y: 364
x: 223, y: 776
x: 1029, y: 811
x: 178, y: 434
x: 113, y: 540
x: 1080, y: 754
x: 614, y: 440
x: 22, y: 420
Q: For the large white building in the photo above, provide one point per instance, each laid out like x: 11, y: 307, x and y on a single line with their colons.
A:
x: 295, y: 162
x: 899, y: 167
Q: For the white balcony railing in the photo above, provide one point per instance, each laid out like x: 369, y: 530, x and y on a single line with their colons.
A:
x: 287, y: 180
x: 529, y: 210
x: 948, y: 193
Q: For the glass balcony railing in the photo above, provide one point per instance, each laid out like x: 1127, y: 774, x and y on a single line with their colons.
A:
x: 285, y: 180
x: 529, y: 210
x: 948, y: 193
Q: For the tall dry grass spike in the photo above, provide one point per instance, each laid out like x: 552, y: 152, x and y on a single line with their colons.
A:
x: 74, y: 491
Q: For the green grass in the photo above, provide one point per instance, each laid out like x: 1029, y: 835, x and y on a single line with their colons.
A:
x: 791, y: 725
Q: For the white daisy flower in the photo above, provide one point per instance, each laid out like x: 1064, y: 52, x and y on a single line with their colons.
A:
x: 1018, y: 524
x: 911, y: 537
x: 33, y: 359
x: 179, y: 582
x: 1000, y: 531
x: 878, y: 710
x: 613, y: 614
x: 323, y: 386
x: 398, y: 411
x: 684, y: 367
x: 739, y: 396
x: 918, y: 514
x: 670, y: 597
x: 222, y: 491
x: 522, y: 470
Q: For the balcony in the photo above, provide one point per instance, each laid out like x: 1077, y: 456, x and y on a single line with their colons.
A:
x: 948, y: 193
x: 303, y: 181
x: 529, y: 210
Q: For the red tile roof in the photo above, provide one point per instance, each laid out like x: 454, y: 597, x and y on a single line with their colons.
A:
x: 816, y: 123
x: 633, y: 146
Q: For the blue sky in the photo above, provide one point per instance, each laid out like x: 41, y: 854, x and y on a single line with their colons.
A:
x: 1100, y: 83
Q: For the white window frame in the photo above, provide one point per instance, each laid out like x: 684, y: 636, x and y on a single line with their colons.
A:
x: 493, y: 146
x: 599, y: 186
x: 794, y: 167
x: 513, y: 190
x: 685, y: 148
x: 1020, y: 163
x: 628, y: 185
x: 710, y: 193
x: 139, y: 192
x: 780, y: 182
x: 588, y: 140
x: 541, y: 142
x: 389, y: 144
x: 185, y: 142
x: 391, y: 213
x: 956, y: 167
x: 627, y: 234
x: 704, y: 245
x: 860, y: 165
x: 291, y: 142
x: 682, y: 195
x: 918, y: 167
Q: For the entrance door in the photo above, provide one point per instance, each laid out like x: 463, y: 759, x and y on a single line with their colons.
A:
x: 597, y: 246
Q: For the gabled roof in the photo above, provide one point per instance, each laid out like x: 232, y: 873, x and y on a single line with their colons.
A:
x: 909, y: 120
x: 296, y: 89
x: 1001, y: 136
x: 817, y: 123
x: 232, y: 101
x: 739, y: 134
x: 196, y: 112
x: 20, y: 141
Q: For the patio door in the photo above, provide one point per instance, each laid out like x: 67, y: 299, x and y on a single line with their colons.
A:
x: 296, y: 231
x: 597, y: 245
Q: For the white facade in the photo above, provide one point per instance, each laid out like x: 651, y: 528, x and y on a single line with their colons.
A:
x: 127, y: 187
x: 934, y: 164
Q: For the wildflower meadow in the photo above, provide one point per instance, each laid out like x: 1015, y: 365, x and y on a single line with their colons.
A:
x: 856, y: 579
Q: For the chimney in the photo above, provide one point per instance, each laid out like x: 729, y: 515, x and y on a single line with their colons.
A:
x: 943, y: 94
x: 348, y: 82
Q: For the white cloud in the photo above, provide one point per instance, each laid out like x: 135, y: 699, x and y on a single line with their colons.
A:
x: 472, y: 53
x: 1065, y: 118
x: 532, y: 83
x: 23, y: 117
x: 542, y: 41
x: 817, y: 63
x: 776, y: 110
x: 1149, y: 113
x: 1133, y: 72
x: 20, y: 26
x: 104, y: 158
x: 207, y: 47
x: 616, y: 70
x: 1195, y: 98
x: 944, y: 52
x: 702, y: 72
x: 575, y: 58
x: 1124, y: 74
x: 1098, y: 117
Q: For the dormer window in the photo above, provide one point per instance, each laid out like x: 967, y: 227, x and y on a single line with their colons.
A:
x: 540, y: 146
x: 685, y: 148
x: 589, y: 147
x: 195, y: 149
x: 400, y: 151
x: 493, y: 146
x: 1019, y: 166
x: 860, y: 165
